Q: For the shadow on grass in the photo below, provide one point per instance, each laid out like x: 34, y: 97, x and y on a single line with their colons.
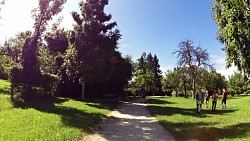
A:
x: 159, y: 101
x: 5, y: 90
x: 104, y: 105
x: 196, y: 131
x: 168, y: 111
x: 70, y: 116
x: 100, y: 103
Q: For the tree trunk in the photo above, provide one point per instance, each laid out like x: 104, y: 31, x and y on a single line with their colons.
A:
x: 12, y: 92
x: 185, y: 89
x: 83, y: 90
x: 194, y: 87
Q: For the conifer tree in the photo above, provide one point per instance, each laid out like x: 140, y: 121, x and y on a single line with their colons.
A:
x: 94, y: 43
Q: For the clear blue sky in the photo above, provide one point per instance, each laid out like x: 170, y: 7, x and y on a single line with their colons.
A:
x: 158, y: 26
x: 155, y: 26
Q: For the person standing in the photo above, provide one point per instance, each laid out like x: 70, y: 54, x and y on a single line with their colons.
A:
x: 224, y: 98
x: 214, y: 100
x: 199, y: 101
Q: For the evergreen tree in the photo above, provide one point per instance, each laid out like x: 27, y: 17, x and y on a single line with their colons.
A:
x: 93, y: 43
x: 157, y: 74
x: 149, y: 65
x: 142, y: 62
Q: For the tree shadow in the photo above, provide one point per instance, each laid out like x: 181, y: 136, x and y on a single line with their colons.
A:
x: 5, y: 90
x: 104, y: 105
x: 238, y: 96
x: 169, y: 111
x: 70, y: 116
x: 197, y: 131
x: 159, y: 101
x: 240, y: 130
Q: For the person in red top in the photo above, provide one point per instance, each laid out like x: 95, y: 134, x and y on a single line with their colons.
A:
x: 224, y: 98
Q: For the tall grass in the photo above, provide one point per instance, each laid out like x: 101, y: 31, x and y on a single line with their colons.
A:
x: 52, y: 119
x: 179, y: 117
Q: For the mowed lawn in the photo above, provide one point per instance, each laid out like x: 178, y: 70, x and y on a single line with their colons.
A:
x: 55, y: 119
x: 179, y: 117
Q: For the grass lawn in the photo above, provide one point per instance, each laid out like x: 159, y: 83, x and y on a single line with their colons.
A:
x: 54, y: 119
x: 179, y: 117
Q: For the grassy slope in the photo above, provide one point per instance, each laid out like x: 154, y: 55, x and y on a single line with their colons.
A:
x: 55, y: 119
x: 178, y: 116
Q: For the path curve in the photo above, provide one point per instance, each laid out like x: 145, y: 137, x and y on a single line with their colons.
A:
x: 130, y: 122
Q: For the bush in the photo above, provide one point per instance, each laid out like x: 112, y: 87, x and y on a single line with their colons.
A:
x: 48, y: 84
x: 43, y: 84
x: 3, y: 75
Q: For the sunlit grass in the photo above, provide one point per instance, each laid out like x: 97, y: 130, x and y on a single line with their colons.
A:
x: 51, y: 119
x: 179, y: 117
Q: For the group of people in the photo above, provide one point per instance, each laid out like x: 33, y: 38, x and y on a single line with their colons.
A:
x: 214, y: 96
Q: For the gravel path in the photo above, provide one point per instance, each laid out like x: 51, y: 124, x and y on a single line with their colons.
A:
x: 130, y: 122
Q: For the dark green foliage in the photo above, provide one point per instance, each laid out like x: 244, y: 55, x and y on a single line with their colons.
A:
x: 141, y: 65
x: 232, y: 18
x: 30, y: 73
x: 237, y: 83
x: 214, y: 80
x: 180, y: 81
x: 57, y: 41
x: 92, y: 57
x: 149, y: 73
x: 157, y: 75
x: 11, y: 54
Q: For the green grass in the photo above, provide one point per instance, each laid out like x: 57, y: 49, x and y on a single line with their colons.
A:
x: 179, y: 117
x: 52, y: 119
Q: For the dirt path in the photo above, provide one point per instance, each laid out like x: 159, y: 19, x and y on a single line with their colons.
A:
x: 130, y: 122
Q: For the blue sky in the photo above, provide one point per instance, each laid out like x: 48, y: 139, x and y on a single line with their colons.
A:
x: 158, y: 26
x: 155, y: 26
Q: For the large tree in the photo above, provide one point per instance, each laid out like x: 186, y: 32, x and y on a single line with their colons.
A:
x: 93, y: 45
x: 30, y: 73
x: 232, y: 18
x: 192, y: 58
x: 157, y: 75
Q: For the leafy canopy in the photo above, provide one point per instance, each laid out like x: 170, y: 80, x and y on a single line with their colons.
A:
x: 233, y: 20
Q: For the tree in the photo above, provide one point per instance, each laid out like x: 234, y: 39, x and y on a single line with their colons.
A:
x: 172, y: 81
x: 142, y: 62
x: 30, y: 66
x: 157, y: 75
x: 237, y: 82
x: 11, y: 53
x: 56, y: 45
x: 232, y: 19
x: 192, y: 58
x: 150, y: 64
x: 213, y: 80
x: 144, y: 81
x: 93, y: 43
